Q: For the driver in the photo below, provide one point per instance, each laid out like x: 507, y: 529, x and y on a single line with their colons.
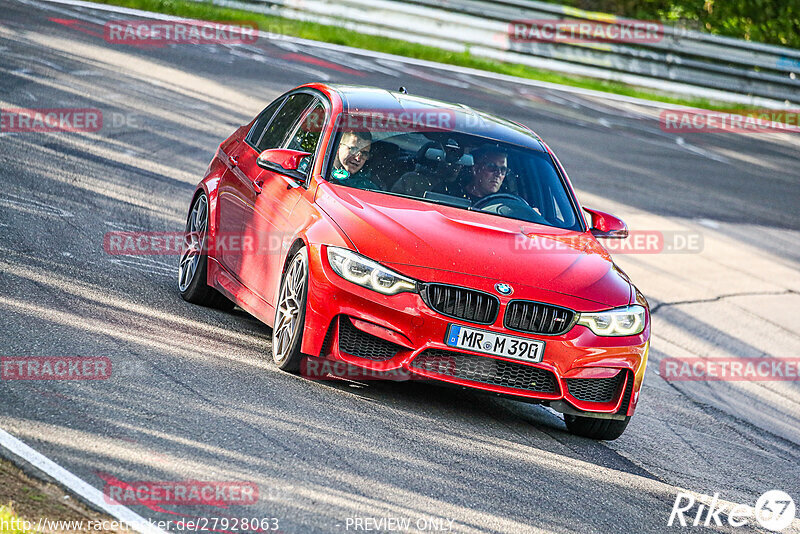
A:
x: 351, y: 156
x: 488, y: 173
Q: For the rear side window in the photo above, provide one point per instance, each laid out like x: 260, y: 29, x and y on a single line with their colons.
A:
x: 257, y: 131
x: 285, y: 119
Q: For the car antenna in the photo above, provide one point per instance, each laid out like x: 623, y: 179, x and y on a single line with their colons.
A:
x: 403, y: 90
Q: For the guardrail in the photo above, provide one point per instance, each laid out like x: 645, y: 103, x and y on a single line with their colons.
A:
x: 676, y: 57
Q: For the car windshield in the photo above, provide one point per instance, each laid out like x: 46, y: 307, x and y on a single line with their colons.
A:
x: 457, y: 169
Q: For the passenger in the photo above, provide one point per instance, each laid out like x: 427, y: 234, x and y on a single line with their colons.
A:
x: 487, y: 175
x: 454, y: 164
x: 437, y: 170
x: 351, y: 156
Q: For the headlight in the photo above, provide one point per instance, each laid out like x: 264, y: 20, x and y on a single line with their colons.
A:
x: 626, y: 321
x: 365, y: 272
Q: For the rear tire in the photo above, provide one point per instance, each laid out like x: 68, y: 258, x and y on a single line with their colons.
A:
x: 290, y: 314
x: 193, y: 265
x: 590, y: 427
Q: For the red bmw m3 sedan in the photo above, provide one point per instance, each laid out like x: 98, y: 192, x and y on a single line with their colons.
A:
x: 400, y: 233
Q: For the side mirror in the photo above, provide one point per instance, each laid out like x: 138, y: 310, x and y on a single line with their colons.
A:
x: 606, y: 225
x: 284, y: 161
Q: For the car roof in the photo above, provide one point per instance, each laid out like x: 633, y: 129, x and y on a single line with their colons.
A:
x: 467, y: 120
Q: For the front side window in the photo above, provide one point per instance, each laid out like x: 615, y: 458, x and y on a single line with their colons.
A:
x: 307, y: 134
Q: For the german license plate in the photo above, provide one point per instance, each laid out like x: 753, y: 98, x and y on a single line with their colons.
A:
x: 518, y: 348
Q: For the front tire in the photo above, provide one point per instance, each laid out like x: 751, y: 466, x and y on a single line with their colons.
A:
x: 290, y: 314
x: 193, y: 265
x: 601, y: 429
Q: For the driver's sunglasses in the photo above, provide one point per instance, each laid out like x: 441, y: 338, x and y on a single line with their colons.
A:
x: 495, y: 168
x: 354, y: 151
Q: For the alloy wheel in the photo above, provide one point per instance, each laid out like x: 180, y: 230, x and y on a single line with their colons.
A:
x: 290, y: 309
x: 194, y: 242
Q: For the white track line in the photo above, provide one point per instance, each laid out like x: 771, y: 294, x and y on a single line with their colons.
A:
x: 76, y: 485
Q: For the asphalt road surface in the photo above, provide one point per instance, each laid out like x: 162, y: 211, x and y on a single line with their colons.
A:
x: 194, y: 396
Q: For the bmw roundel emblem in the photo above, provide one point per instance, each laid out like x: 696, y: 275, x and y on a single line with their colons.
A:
x: 503, y: 289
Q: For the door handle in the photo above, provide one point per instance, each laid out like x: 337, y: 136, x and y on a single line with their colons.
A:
x: 234, y: 160
x: 258, y: 185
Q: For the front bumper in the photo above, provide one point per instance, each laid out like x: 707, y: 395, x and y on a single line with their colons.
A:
x: 580, y: 371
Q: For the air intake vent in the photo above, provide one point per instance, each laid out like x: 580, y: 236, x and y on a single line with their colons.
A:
x: 462, y: 303
x: 486, y: 370
x: 595, y: 389
x: 538, y: 318
x: 354, y: 341
x: 626, y: 399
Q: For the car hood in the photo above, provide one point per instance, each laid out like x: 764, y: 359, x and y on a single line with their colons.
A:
x: 401, y: 231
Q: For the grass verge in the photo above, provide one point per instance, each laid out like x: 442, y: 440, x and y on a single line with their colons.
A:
x: 337, y: 35
x: 26, y: 501
x: 9, y: 522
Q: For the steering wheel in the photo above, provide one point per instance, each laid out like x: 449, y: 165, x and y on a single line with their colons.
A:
x: 509, y: 205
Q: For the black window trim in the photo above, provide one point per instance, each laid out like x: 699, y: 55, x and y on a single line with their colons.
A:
x: 248, y: 137
x: 277, y: 112
x: 302, y: 117
x: 326, y: 104
x: 319, y: 97
x: 572, y: 198
x: 284, y: 97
